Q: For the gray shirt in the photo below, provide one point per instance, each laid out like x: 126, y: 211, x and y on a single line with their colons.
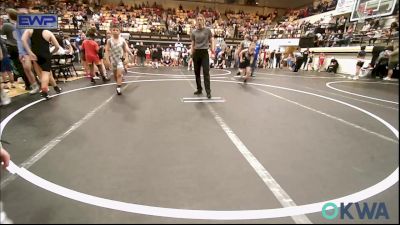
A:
x: 245, y: 44
x: 8, y: 31
x: 201, y: 38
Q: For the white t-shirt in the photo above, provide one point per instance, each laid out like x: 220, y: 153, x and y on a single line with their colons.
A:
x: 165, y: 53
x: 96, y: 18
x: 178, y: 46
x: 66, y: 42
x: 61, y: 50
x: 174, y: 54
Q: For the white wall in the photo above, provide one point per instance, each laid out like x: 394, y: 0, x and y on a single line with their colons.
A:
x: 275, y: 44
x: 389, y: 20
x: 347, y: 62
x: 346, y: 57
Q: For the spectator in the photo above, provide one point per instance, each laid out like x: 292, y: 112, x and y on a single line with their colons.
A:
x: 360, y: 62
x: 5, y: 161
x: 393, y: 61
x: 321, y: 60
x: 278, y: 59
x: 299, y: 60
x: 333, y: 66
x: 305, y: 58
x: 374, y: 35
x: 141, y: 54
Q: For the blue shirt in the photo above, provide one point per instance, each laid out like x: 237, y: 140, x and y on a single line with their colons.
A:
x: 21, y: 49
x: 217, y: 51
x: 257, y: 50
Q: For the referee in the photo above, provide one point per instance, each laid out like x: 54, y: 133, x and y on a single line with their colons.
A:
x: 201, y: 39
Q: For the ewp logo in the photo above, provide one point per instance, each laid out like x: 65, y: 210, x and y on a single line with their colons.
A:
x: 375, y: 212
x: 37, y: 21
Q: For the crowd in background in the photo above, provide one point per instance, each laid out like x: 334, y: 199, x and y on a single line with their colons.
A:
x: 330, y: 31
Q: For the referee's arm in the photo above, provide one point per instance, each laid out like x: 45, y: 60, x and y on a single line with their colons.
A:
x: 192, y: 47
x: 193, y: 43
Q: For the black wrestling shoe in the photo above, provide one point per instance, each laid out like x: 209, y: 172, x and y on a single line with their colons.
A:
x: 105, y: 79
x: 208, y: 95
x: 45, y: 95
x: 57, y: 89
x: 198, y: 92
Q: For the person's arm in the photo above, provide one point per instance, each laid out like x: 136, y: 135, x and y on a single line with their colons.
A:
x: 126, y: 49
x: 25, y: 37
x: 192, y: 44
x: 1, y: 54
x: 252, y: 59
x: 83, y: 49
x: 211, y: 40
x: 106, y: 51
x: 396, y: 51
x: 241, y: 54
x: 49, y: 36
x: 4, y: 157
x: 239, y: 49
x: 70, y: 49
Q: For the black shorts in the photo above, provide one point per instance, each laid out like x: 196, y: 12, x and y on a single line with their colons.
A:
x: 360, y: 63
x: 243, y: 65
x: 101, y: 55
x: 44, y: 62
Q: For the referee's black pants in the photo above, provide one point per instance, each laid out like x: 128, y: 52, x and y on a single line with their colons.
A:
x: 201, y: 59
x: 299, y: 62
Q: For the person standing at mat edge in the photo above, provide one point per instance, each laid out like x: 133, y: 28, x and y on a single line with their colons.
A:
x: 201, y: 40
x: 5, y: 161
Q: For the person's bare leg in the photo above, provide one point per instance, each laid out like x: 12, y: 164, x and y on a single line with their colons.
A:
x: 45, y: 83
x: 27, y: 65
x: 51, y: 80
x: 91, y: 72
x: 11, y: 77
x: 4, y: 78
x: 118, y: 79
x: 390, y: 73
x: 358, y: 68
x: 247, y: 74
x: 102, y: 71
x: 119, y: 76
x: 38, y: 70
x: 86, y: 67
x: 103, y: 68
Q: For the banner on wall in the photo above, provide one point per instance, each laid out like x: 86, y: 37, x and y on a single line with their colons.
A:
x: 344, y: 6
